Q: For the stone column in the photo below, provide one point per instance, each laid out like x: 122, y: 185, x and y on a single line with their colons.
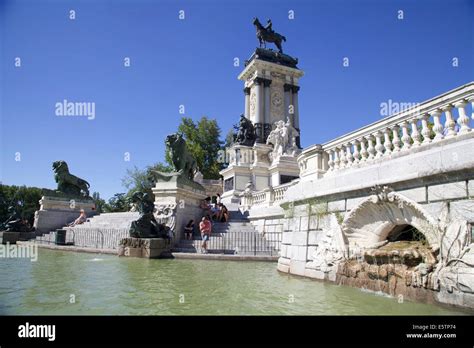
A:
x: 267, y: 126
x: 288, y: 101
x: 259, y: 115
x: 247, y: 102
x: 296, y: 115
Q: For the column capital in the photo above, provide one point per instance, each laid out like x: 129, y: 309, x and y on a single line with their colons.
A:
x: 287, y: 87
x: 261, y: 80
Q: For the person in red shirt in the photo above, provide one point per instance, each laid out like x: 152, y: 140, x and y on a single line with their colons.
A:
x: 205, y: 227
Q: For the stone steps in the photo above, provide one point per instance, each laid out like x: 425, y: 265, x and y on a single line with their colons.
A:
x: 238, y: 236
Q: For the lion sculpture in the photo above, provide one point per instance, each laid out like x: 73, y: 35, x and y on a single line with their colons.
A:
x: 68, y: 183
x: 183, y: 162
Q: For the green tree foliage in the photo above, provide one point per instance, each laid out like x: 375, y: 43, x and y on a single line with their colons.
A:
x: 24, y: 199
x: 137, y: 179
x: 118, y: 203
x: 202, y: 140
x: 100, y: 204
x: 231, y: 134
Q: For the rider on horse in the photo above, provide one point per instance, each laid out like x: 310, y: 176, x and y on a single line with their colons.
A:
x: 268, y: 27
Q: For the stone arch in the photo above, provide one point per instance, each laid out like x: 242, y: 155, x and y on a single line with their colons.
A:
x: 369, y: 223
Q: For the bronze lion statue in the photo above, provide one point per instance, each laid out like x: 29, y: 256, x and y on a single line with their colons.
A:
x: 183, y: 161
x: 68, y: 183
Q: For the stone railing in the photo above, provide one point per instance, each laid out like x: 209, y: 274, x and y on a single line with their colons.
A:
x: 266, y: 197
x: 439, y: 118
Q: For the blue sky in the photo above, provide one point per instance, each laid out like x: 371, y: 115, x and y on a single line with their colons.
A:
x: 190, y: 62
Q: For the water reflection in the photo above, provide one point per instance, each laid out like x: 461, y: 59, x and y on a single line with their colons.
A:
x: 106, y: 284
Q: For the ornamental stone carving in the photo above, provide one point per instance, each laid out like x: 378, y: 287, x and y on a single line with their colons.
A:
x: 253, y: 103
x: 277, y: 107
x: 166, y: 214
x: 330, y: 250
x: 283, y: 139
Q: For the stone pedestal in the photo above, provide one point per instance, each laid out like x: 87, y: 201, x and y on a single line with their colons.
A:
x: 177, y: 201
x: 56, y: 212
x: 284, y: 166
x: 148, y: 248
x: 246, y: 165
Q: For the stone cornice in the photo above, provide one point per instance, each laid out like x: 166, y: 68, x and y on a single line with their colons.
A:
x: 260, y: 65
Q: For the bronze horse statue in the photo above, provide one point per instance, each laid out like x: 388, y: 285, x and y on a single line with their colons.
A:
x: 265, y: 34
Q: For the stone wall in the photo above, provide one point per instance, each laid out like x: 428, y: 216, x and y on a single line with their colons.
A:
x: 310, y: 245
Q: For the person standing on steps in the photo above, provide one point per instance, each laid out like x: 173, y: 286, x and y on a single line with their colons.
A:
x: 205, y: 228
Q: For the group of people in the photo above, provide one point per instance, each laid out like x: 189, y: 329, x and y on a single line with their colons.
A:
x: 217, y: 211
x: 205, y: 227
x: 212, y: 212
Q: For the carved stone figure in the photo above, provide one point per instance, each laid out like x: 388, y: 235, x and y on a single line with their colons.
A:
x: 166, y: 215
x: 246, y: 134
x: 266, y: 34
x: 146, y: 225
x: 69, y: 184
x: 283, y: 139
x: 15, y: 223
x: 183, y: 162
x: 330, y: 250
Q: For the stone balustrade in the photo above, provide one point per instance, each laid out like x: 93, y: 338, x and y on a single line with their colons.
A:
x: 266, y: 197
x: 440, y: 118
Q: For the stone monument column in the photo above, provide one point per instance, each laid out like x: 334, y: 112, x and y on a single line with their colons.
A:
x: 288, y: 101
x: 247, y: 102
x: 267, y: 126
x: 259, y: 109
x: 296, y: 115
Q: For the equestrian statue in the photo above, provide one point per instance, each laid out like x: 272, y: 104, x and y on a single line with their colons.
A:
x: 266, y: 34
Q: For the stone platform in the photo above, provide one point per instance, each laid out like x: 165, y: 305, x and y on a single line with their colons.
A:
x: 149, y: 248
x: 57, y: 212
x: 13, y: 237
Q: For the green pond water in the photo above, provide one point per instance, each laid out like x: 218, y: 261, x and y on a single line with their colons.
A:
x: 106, y: 284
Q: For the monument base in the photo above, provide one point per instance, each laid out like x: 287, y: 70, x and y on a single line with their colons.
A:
x: 177, y: 201
x: 148, y: 248
x: 284, y: 169
x: 57, y: 212
x: 13, y: 237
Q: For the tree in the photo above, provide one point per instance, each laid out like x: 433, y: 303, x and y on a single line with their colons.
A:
x: 24, y: 199
x: 118, y: 203
x: 138, y: 179
x: 202, y: 140
x: 100, y: 204
x: 229, y: 138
